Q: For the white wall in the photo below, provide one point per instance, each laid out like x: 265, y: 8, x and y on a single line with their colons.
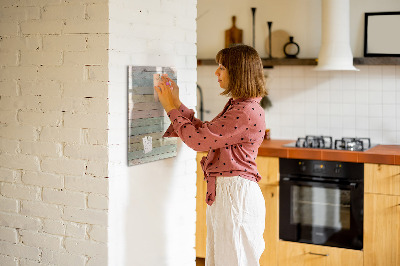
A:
x: 301, y: 19
x: 337, y: 103
x: 152, y: 206
x: 53, y: 133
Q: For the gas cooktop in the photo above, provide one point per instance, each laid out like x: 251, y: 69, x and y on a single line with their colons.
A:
x: 326, y: 142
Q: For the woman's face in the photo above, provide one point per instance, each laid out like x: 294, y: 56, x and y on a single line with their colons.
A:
x: 223, y: 76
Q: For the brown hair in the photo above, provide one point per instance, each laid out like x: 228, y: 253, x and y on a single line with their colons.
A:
x: 245, y: 69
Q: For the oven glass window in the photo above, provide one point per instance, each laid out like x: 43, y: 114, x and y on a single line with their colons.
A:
x: 321, y: 207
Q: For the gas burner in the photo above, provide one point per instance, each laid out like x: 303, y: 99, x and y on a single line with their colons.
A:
x: 353, y: 144
x: 325, y: 142
x: 322, y: 142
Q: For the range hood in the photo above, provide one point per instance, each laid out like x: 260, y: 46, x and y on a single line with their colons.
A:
x: 335, y: 52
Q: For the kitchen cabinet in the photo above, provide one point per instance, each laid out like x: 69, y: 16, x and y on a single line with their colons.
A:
x: 201, y: 205
x: 269, y: 170
x: 269, y: 185
x: 382, y: 215
x: 300, y: 254
x: 382, y: 179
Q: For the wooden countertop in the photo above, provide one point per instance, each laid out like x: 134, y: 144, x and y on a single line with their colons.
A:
x: 380, y: 154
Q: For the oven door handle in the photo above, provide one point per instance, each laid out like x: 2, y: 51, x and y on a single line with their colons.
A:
x: 319, y: 182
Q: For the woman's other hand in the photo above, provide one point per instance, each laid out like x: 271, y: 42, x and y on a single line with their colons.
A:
x: 175, y: 90
x: 165, y: 96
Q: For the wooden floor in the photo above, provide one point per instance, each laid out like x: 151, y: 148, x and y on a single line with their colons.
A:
x: 200, y: 262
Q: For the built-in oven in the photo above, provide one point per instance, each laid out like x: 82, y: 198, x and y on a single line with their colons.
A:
x: 321, y: 202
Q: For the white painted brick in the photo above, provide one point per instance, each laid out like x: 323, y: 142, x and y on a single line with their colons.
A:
x: 7, y: 175
x: 8, y: 234
x: 85, y: 121
x: 63, y: 166
x: 87, y: 184
x: 76, y: 230
x: 191, y: 61
x: 18, y: 132
x: 20, y: 221
x: 35, y: 239
x: 69, y: 12
x: 63, y: 104
x: 48, y: 58
x: 8, y: 117
x: 62, y: 258
x: 88, y: 152
x: 98, y: 261
x: 19, y: 73
x: 86, y: 89
x: 97, y: 202
x: 8, y: 261
x: 40, y: 118
x: 97, y: 169
x: 97, y: 11
x: 8, y: 29
x: 85, y: 58
x: 19, y: 191
x: 41, y: 148
x: 64, y: 197
x: 60, y: 134
x: 85, y: 216
x: 20, y: 251
x: 8, y: 205
x: 26, y: 262
x: 95, y: 136
x: 86, y: 26
x: 185, y: 48
x: 22, y: 43
x: 54, y: 227
x: 85, y: 247
x: 98, y: 42
x: 98, y: 233
x: 8, y: 88
x: 40, y: 209
x: 62, y: 73
x: 43, y: 179
x: 68, y: 42
x: 20, y: 161
x: 8, y: 146
x: 9, y: 58
x: 18, y: 13
x: 95, y: 105
x: 98, y: 73
x: 41, y: 27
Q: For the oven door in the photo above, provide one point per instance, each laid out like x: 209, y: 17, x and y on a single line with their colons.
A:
x: 321, y: 212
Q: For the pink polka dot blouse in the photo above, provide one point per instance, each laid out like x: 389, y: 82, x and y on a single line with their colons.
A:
x: 232, y: 139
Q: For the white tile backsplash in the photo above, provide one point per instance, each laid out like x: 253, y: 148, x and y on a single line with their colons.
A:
x: 363, y: 103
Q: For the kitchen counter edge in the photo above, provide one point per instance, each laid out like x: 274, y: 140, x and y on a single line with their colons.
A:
x: 379, y: 154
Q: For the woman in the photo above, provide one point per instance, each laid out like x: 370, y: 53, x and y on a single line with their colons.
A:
x: 236, y: 211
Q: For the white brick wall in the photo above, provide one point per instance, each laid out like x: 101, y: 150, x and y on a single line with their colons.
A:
x: 53, y: 132
x: 152, y: 206
x: 63, y: 132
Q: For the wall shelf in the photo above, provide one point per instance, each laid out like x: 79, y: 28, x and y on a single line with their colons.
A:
x: 269, y: 63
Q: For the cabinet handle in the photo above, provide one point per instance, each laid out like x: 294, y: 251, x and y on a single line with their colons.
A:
x: 318, y: 254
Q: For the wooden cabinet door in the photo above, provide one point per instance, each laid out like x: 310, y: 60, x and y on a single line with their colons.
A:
x: 268, y: 168
x: 299, y: 254
x: 201, y: 205
x: 382, y: 179
x: 381, y: 230
x: 271, y: 232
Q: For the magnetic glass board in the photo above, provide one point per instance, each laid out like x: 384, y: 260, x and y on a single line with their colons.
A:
x: 147, y: 120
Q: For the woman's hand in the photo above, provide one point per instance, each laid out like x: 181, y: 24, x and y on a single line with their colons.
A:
x: 165, y: 96
x: 175, y: 91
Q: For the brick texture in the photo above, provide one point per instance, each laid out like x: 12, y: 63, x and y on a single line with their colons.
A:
x: 53, y: 138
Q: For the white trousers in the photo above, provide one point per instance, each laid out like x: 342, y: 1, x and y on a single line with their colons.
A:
x: 235, y: 223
